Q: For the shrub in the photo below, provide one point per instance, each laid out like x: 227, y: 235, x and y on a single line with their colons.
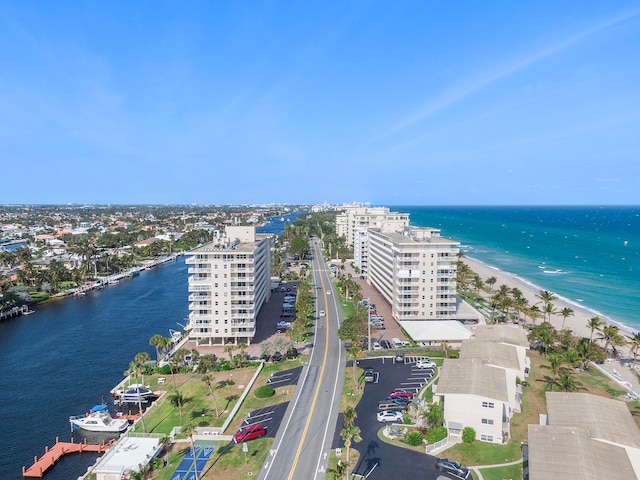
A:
x: 434, y: 435
x: 414, y: 438
x: 468, y: 435
x: 265, y: 391
x: 165, y: 370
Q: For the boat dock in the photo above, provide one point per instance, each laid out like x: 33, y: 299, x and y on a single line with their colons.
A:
x: 14, y: 312
x: 53, y: 454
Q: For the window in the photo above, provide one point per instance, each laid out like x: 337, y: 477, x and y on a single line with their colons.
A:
x: 486, y: 438
x: 487, y: 404
x: 487, y: 421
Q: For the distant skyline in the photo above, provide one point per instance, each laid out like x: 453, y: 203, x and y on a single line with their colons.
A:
x: 393, y: 103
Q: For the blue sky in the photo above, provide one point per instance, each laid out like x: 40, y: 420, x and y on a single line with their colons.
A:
x: 425, y: 102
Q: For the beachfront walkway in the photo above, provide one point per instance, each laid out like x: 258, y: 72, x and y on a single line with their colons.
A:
x: 622, y: 372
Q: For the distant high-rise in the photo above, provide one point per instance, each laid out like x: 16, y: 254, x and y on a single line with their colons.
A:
x: 229, y: 281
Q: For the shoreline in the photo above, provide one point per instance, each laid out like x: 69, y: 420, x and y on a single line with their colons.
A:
x: 577, y: 322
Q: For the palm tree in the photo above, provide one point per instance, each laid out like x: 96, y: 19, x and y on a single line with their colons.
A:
x: 207, y: 380
x: 229, y: 349
x: 178, y: 400
x: 565, y: 312
x: 491, y: 281
x: 445, y: 346
x: 355, y: 353
x: 547, y: 298
x: 534, y: 313
x: 634, y: 343
x: 157, y: 341
x: 350, y: 434
x: 136, y: 367
x: 594, y: 323
x: 567, y: 383
x: 188, y: 430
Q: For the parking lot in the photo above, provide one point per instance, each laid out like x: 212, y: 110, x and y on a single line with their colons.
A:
x: 379, y: 460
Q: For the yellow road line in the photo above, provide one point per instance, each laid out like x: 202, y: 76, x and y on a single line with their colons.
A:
x: 315, y: 395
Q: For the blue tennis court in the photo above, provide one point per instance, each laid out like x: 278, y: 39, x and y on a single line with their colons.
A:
x: 185, y: 469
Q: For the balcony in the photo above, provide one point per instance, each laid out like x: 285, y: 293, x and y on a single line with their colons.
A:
x: 199, y: 306
x: 194, y: 270
x: 199, y: 279
x: 202, y: 317
x: 197, y: 297
x: 241, y: 315
x: 242, y: 269
x: 206, y: 287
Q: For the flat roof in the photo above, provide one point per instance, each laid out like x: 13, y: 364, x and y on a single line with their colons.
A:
x: 436, y: 330
x: 128, y: 453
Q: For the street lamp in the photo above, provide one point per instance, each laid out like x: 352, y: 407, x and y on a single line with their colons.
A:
x: 369, y: 324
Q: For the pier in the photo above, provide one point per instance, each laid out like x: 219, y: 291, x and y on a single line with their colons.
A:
x: 53, y: 454
x: 14, y: 312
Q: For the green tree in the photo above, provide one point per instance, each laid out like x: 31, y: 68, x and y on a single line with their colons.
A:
x: 565, y: 313
x: 594, y: 324
x: 350, y: 434
x: 178, y: 400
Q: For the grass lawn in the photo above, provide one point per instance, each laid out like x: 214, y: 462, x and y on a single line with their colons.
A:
x: 510, y: 472
x: 228, y: 460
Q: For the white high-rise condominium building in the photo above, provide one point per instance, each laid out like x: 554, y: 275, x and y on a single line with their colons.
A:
x: 356, y: 217
x: 229, y: 281
x: 415, y: 271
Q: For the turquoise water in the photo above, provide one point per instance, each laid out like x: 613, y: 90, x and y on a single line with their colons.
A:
x: 587, y: 255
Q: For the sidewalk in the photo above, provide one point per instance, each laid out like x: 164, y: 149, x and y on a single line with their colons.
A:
x: 622, y: 372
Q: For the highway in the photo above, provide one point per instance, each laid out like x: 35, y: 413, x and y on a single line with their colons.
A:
x: 302, y: 445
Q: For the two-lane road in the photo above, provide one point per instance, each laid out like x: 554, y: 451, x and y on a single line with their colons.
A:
x: 301, y: 447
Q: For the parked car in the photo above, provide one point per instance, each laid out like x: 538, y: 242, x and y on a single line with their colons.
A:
x: 378, y: 326
x: 449, y: 466
x: 369, y: 375
x: 385, y: 344
x: 391, y: 406
x: 389, y: 416
x: 403, y: 402
x: 400, y: 393
x: 425, y: 364
x: 249, y: 433
x: 376, y: 346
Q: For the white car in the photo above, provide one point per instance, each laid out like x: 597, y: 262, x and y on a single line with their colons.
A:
x: 389, y: 416
x: 425, y: 364
x: 322, y: 313
x: 376, y: 346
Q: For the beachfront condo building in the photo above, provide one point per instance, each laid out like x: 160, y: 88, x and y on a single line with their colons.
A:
x: 354, y: 217
x: 414, y: 270
x: 229, y: 281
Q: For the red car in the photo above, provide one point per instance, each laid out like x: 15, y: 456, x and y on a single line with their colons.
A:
x: 399, y: 393
x: 249, y: 433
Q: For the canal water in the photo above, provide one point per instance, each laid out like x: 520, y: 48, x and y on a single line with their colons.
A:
x: 67, y: 356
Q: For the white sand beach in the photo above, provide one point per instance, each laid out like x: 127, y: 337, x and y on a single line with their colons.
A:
x: 577, y: 322
x: 619, y: 370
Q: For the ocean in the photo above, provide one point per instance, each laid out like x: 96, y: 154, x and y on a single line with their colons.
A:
x: 588, y: 255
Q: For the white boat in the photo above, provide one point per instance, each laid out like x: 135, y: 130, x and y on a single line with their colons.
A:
x: 135, y: 392
x: 99, y: 420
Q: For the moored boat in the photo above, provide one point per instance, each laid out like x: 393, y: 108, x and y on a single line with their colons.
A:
x: 134, y: 392
x: 98, y: 420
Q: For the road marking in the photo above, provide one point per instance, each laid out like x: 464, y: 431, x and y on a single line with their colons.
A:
x: 315, y: 395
